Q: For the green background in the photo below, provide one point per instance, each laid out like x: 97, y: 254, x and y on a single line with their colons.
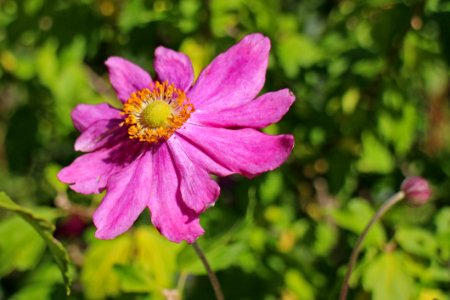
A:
x: 372, y: 84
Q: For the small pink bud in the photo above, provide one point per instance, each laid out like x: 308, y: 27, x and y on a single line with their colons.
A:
x: 416, y: 189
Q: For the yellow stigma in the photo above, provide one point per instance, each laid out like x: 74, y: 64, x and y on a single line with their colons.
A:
x: 154, y: 114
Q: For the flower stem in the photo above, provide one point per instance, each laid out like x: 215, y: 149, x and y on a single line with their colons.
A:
x: 181, y: 283
x: 385, y: 207
x: 212, y: 276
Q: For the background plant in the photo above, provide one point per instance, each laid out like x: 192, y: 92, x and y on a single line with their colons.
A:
x: 372, y: 86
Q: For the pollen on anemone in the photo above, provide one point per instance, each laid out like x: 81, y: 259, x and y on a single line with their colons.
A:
x: 159, y: 149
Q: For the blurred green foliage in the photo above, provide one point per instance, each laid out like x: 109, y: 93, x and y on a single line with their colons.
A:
x: 372, y: 85
x: 41, y: 227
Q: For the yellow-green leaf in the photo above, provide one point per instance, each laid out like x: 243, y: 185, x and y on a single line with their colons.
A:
x: 387, y: 278
x: 45, y: 230
x: 97, y: 275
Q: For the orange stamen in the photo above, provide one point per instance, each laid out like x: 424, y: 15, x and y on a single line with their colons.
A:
x: 139, y: 125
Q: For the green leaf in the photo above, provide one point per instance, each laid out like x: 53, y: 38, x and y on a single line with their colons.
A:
x: 45, y: 230
x: 156, y: 256
x: 350, y: 100
x: 297, y: 284
x: 40, y: 283
x: 296, y: 51
x: 398, y: 125
x: 21, y: 247
x: 139, y: 261
x: 189, y: 262
x: 417, y: 241
x: 134, y: 13
x: 387, y: 278
x: 375, y: 157
x: 355, y: 218
x: 50, y: 173
x: 97, y: 275
x: 199, y: 52
x: 432, y: 294
x: 272, y: 187
x: 435, y: 273
x: 33, y: 292
x: 221, y: 253
x: 442, y: 222
x: 133, y: 279
x: 325, y: 238
x: 33, y: 6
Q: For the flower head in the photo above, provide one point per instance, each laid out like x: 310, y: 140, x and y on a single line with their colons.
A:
x: 159, y: 149
x: 417, y: 190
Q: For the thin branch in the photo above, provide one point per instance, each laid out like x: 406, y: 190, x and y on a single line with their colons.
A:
x: 212, y: 276
x: 181, y: 283
x: 385, y: 207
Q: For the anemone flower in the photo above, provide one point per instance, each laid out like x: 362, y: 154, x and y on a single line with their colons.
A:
x: 159, y: 149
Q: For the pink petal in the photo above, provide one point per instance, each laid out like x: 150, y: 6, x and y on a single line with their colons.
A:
x: 175, y: 67
x: 261, y: 112
x: 89, y: 173
x: 127, y: 196
x: 197, y: 189
x: 126, y: 77
x: 201, y: 159
x: 244, y: 151
x: 84, y: 115
x: 169, y: 214
x: 234, y: 77
x: 98, y: 134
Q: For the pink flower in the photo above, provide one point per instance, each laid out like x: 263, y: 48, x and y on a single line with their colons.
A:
x: 159, y: 150
x: 417, y: 190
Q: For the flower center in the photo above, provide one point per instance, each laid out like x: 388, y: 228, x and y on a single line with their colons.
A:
x: 154, y: 114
